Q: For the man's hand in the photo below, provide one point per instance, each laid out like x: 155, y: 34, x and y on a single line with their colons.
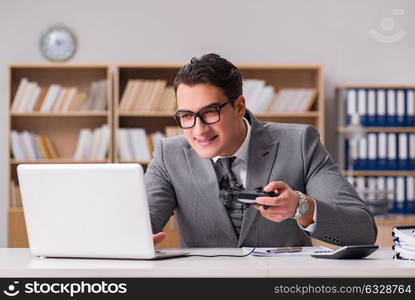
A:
x: 158, y: 237
x: 284, y: 205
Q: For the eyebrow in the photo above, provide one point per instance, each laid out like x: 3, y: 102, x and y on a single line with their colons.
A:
x: 207, y: 106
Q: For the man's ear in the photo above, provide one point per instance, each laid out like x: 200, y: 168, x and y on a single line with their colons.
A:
x: 240, y: 106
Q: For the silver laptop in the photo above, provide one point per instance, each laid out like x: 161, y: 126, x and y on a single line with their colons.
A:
x: 88, y: 210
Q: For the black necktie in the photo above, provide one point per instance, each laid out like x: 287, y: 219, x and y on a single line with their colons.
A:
x: 227, y: 179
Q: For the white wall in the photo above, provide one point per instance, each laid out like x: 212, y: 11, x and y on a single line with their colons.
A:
x: 332, y: 33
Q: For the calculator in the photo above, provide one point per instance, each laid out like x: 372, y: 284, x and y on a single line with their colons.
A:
x: 347, y: 252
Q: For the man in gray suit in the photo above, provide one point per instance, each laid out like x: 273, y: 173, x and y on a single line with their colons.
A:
x: 225, y: 145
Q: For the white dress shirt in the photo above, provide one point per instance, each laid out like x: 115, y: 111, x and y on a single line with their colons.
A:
x: 240, y: 167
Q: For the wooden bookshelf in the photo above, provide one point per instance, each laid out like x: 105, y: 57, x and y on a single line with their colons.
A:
x: 62, y: 128
x: 384, y: 222
x: 279, y: 76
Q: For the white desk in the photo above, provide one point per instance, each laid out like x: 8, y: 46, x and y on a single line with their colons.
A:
x: 20, y: 263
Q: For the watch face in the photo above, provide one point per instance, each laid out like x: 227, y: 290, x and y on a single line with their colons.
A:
x: 58, y: 44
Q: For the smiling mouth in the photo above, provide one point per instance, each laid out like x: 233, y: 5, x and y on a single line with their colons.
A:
x: 205, y: 142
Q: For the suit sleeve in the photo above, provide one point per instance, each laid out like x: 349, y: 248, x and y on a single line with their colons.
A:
x: 342, y: 217
x: 160, y: 191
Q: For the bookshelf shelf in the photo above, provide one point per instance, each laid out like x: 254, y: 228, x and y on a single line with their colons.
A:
x: 309, y: 114
x: 382, y: 129
x: 379, y: 173
x: 57, y: 161
x: 54, y: 115
x: 147, y: 114
x: 141, y: 162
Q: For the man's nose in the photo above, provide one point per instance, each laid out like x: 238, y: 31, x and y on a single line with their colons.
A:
x: 200, y: 127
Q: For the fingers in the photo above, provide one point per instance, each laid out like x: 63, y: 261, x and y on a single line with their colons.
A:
x: 158, y: 237
x: 272, y: 213
x: 275, y: 186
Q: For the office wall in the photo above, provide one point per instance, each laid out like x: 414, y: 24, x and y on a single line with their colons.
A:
x: 333, y: 33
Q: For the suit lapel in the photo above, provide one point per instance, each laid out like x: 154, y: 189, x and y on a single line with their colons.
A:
x: 204, y: 176
x: 262, y: 153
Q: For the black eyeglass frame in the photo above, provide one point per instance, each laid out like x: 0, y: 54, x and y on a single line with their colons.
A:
x: 197, y: 114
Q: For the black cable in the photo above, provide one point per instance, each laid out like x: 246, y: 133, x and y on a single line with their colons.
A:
x: 230, y: 255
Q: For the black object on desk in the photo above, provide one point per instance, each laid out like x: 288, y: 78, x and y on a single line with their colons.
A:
x: 347, y: 252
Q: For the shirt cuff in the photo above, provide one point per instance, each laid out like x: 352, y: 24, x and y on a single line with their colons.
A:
x: 310, y: 228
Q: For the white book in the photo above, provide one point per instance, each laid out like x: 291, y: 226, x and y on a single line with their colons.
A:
x: 400, y: 191
x: 351, y: 102
x: 80, y: 144
x: 265, y: 98
x: 19, y: 93
x: 360, y: 185
x: 92, y: 94
x: 380, y: 183
x: 392, y: 146
x: 36, y: 150
x: 391, y: 102
x: 138, y: 139
x: 372, y: 146
x: 33, y: 99
x: 101, y: 99
x: 400, y: 99
x: 307, y: 94
x: 362, y: 148
x: 361, y: 102
x: 103, y: 143
x: 95, y: 144
x: 371, y: 185
x: 371, y: 103
x: 156, y: 137
x: 403, y: 146
x: 391, y: 188
x: 410, y: 102
x: 381, y: 100
x: 410, y: 188
x: 27, y: 144
x: 250, y: 85
x: 27, y: 97
x: 124, y: 150
x: 255, y: 94
x: 295, y: 98
x: 50, y: 98
x: 283, y: 99
x: 354, y: 148
x: 411, y: 153
x: 87, y: 147
x: 382, y: 145
x: 16, y: 146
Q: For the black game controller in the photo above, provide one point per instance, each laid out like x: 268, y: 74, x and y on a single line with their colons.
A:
x: 245, y: 196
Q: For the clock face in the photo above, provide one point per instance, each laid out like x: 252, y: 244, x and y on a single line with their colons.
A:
x: 58, y: 44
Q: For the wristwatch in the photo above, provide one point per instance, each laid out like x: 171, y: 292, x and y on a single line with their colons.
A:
x: 302, y: 206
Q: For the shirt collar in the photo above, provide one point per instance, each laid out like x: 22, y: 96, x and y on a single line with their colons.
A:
x: 242, y: 152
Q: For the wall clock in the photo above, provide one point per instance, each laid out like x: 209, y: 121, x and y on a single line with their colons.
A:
x: 58, y: 44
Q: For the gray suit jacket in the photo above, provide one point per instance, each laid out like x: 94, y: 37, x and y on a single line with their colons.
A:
x: 178, y: 180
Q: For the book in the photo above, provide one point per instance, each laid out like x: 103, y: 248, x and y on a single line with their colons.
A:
x: 19, y: 93
x: 50, y: 98
x: 41, y: 98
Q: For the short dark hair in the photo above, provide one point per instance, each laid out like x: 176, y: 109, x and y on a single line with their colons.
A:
x: 211, y: 69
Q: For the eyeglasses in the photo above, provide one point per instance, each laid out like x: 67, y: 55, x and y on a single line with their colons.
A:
x: 209, y: 115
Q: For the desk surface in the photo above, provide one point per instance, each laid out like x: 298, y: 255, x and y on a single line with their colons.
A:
x: 19, y: 262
